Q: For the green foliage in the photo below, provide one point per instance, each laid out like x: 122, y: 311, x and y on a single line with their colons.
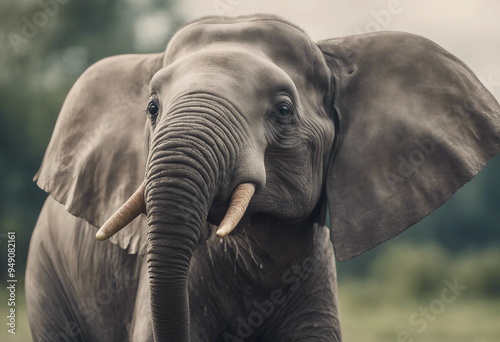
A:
x: 405, y: 269
x: 418, y: 271
x: 480, y: 271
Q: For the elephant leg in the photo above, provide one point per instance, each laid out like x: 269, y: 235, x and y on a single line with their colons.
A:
x: 313, y: 315
x: 141, y: 329
x: 77, y: 288
x: 314, y: 323
x: 52, y: 311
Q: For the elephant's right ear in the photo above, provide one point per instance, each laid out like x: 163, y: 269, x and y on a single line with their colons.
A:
x: 415, y: 124
x: 97, y: 154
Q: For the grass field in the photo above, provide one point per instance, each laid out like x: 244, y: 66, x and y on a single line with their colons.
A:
x: 374, y: 318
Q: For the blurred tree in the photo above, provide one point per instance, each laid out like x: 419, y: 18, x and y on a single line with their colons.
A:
x: 44, y: 46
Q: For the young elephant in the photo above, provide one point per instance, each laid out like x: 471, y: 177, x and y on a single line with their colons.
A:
x: 247, y: 124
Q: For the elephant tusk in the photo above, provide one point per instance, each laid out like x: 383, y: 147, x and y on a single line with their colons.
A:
x: 134, y: 206
x: 239, y: 203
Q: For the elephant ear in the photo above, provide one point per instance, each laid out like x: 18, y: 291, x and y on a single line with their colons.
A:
x: 415, y: 124
x: 97, y: 154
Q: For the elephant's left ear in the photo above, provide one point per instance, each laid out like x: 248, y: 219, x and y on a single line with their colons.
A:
x: 96, y: 157
x: 415, y: 125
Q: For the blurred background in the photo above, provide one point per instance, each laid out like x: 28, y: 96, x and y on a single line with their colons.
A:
x: 392, y: 293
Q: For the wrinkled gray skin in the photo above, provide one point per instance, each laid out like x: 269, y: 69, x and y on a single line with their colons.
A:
x: 383, y: 128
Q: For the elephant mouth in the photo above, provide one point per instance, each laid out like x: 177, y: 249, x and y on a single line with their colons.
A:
x: 236, y: 209
x: 216, y: 216
x: 222, y: 217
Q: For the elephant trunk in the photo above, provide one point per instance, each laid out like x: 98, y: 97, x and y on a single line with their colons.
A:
x: 174, y: 229
x: 191, y: 148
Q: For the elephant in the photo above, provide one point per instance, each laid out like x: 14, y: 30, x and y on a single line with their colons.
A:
x: 211, y: 169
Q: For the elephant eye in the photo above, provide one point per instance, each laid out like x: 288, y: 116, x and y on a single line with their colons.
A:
x: 284, y: 110
x: 153, y: 108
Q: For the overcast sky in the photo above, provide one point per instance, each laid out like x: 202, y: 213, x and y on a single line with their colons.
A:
x: 470, y: 29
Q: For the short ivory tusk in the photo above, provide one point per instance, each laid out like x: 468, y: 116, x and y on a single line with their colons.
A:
x: 239, y: 203
x: 134, y: 206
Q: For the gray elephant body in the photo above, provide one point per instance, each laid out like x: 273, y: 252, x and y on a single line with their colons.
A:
x: 380, y: 128
x: 260, y: 297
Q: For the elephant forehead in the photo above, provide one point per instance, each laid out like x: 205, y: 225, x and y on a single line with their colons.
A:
x: 227, y: 64
x: 282, y: 43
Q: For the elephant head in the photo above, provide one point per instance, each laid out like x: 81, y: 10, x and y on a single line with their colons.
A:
x: 380, y: 128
